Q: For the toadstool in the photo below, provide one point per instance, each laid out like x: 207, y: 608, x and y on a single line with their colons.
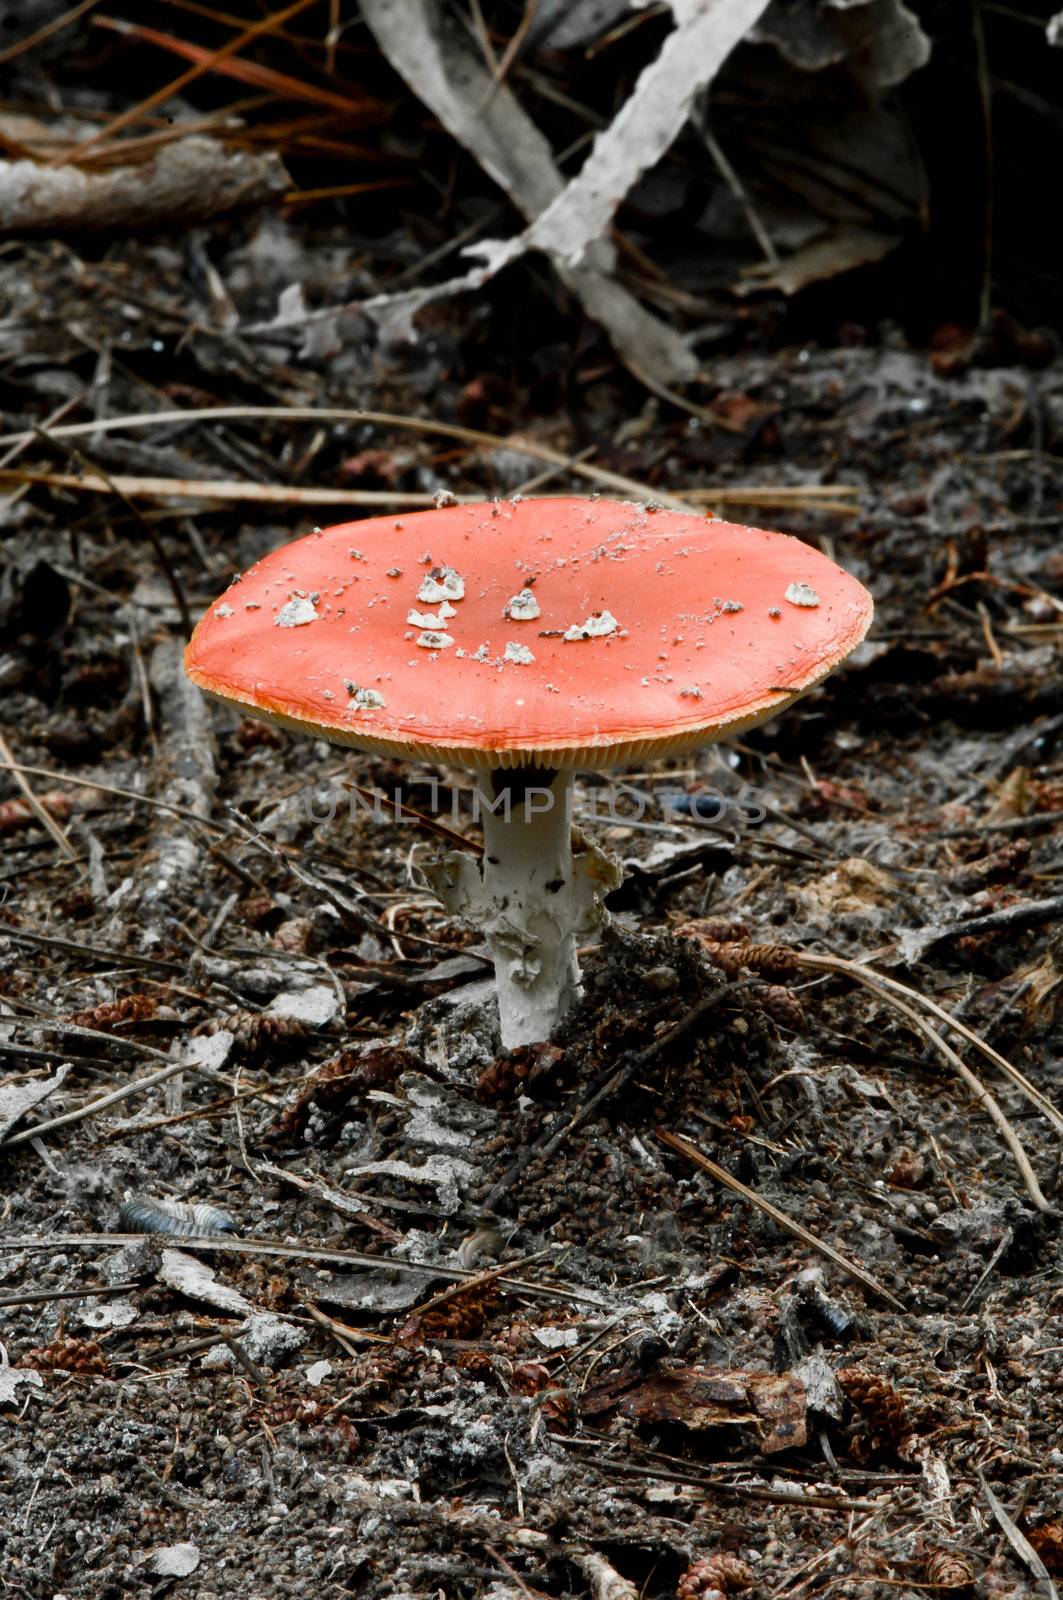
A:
x: 656, y: 632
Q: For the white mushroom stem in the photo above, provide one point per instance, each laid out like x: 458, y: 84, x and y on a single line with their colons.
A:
x: 531, y: 895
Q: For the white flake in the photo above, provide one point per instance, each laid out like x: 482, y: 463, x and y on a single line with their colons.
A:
x: 557, y: 1338
x: 518, y: 652
x: 442, y: 583
x: 430, y: 619
x: 692, y: 693
x: 11, y: 1377
x: 173, y: 1560
x: 315, y: 1006
x: 298, y: 611
x: 365, y: 699
x: 802, y: 594
x: 430, y: 640
x: 595, y: 627
x: 523, y: 607
x: 223, y: 610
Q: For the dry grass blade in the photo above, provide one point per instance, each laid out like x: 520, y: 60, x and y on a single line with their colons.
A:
x: 785, y: 491
x: 510, y: 55
x: 872, y: 981
x: 220, y: 491
x: 400, y: 810
x: 1017, y: 1539
x: 165, y: 565
x: 7, y: 764
x: 234, y: 1245
x: 683, y: 1147
x: 299, y: 41
x: 46, y: 32
x: 219, y: 123
x: 250, y: 72
x: 383, y: 419
x: 138, y: 112
x: 856, y: 970
x: 342, y: 191
x: 43, y: 815
x: 150, y: 1081
x: 479, y: 1281
x: 34, y: 1297
x: 837, y: 497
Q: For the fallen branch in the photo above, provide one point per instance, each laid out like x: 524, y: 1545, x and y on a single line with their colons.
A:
x: 187, y: 181
x: 1023, y: 914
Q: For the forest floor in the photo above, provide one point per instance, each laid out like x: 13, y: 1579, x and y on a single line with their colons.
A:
x: 480, y: 1329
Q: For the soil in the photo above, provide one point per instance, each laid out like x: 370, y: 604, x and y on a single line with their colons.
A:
x: 650, y: 1385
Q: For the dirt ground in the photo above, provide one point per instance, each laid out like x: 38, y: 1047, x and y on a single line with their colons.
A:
x: 479, y: 1329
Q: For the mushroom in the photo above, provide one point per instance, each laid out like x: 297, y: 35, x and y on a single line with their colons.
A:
x: 635, y: 656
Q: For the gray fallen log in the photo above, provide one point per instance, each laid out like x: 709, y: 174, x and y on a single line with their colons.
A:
x: 186, y: 181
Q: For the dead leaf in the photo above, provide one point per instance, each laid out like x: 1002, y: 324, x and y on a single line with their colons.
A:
x: 702, y: 1397
x: 854, y: 885
x: 1012, y: 798
x: 18, y: 1098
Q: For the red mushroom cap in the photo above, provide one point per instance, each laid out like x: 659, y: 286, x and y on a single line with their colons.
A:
x: 589, y: 633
